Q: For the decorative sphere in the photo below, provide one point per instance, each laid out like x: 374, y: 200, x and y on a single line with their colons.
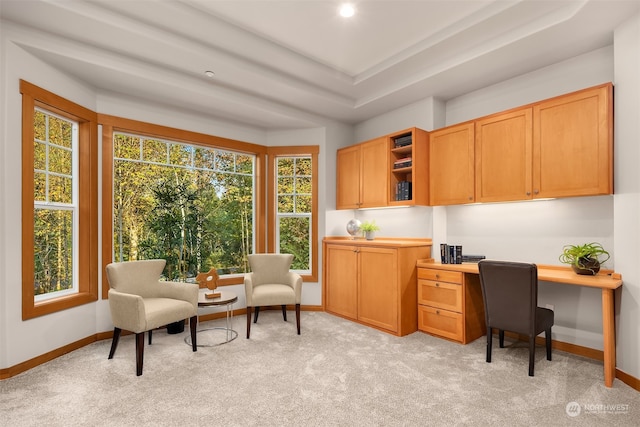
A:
x: 353, y: 227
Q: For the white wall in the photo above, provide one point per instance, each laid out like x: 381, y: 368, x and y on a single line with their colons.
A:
x: 627, y: 188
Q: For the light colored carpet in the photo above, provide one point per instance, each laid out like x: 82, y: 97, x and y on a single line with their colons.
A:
x: 337, y: 373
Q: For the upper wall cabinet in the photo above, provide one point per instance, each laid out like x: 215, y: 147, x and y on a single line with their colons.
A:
x: 573, y: 144
x: 409, y: 177
x: 504, y: 156
x: 362, y: 175
x: 451, y: 165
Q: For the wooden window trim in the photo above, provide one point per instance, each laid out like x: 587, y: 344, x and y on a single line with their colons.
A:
x: 283, y: 151
x: 34, y: 96
x: 111, y: 124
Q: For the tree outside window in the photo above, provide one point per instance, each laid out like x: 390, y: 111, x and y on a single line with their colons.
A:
x: 190, y: 205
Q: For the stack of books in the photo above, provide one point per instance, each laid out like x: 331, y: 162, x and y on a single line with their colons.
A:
x: 402, y: 141
x: 403, y: 190
x: 452, y: 254
x: 405, y: 162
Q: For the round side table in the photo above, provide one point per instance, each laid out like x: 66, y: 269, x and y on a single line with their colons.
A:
x: 226, y: 298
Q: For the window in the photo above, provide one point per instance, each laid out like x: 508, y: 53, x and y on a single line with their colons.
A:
x: 59, y: 209
x: 190, y: 205
x: 195, y: 200
x: 293, y: 202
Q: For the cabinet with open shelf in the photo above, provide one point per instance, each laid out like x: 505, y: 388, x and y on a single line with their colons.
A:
x: 408, y: 173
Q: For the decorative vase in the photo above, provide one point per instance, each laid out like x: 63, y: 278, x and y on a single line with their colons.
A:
x: 587, y: 267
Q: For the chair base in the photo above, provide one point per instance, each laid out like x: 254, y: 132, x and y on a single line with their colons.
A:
x: 193, y: 321
x: 284, y: 316
x: 532, y: 346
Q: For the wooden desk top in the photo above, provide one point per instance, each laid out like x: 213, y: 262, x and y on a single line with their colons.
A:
x: 606, y: 279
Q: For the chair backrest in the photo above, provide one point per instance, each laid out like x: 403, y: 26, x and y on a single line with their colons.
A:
x: 510, y: 293
x: 270, y: 268
x: 136, y: 277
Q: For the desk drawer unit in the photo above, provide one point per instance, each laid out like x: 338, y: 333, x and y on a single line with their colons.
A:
x: 450, y: 305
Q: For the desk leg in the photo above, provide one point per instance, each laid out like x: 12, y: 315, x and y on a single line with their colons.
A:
x: 609, y: 336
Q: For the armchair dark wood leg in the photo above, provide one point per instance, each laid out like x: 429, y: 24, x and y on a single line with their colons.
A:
x: 284, y: 312
x: 255, y: 315
x: 501, y: 337
x: 532, y: 353
x: 489, y: 342
x: 150, y: 332
x: 248, y: 321
x: 114, y: 341
x: 139, y: 352
x: 547, y: 337
x: 193, y: 323
x: 298, y: 317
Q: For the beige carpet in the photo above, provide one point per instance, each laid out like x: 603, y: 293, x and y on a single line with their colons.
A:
x: 337, y: 373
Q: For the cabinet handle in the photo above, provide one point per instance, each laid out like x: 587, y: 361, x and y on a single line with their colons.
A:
x: 437, y: 276
x: 437, y: 285
x: 437, y: 311
x: 535, y: 191
x: 528, y: 193
x: 470, y: 197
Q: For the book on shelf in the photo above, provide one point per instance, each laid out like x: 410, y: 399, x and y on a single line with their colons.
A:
x: 402, y: 141
x: 403, y: 190
x: 402, y: 163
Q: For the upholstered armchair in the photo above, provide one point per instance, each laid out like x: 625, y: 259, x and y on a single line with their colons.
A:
x: 271, y: 283
x: 140, y: 302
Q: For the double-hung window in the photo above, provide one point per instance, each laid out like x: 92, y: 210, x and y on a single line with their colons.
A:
x: 59, y: 203
x: 293, y: 201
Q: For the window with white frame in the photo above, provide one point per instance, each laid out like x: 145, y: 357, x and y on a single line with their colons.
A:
x: 294, y: 210
x: 55, y: 219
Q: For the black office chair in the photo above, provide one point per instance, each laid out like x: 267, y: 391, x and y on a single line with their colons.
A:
x: 510, y: 293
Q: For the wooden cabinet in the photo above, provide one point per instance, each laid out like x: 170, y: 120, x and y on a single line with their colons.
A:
x: 450, y: 305
x: 504, y: 153
x: 373, y: 282
x: 573, y: 144
x: 451, y: 165
x: 409, y: 174
x: 362, y: 172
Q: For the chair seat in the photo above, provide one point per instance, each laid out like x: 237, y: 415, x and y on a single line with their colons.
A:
x: 162, y: 311
x: 273, y: 294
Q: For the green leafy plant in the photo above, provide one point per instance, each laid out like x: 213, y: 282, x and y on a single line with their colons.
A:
x: 584, y: 256
x: 369, y: 226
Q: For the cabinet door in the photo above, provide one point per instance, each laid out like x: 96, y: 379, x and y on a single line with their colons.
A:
x: 451, y: 165
x: 342, y: 280
x: 378, y: 293
x: 504, y: 156
x: 374, y: 176
x: 348, y: 178
x: 573, y: 144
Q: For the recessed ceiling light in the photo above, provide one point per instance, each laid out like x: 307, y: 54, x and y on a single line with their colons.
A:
x: 209, y: 74
x: 347, y: 10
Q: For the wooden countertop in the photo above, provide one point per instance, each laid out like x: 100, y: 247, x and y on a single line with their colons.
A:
x: 378, y: 241
x: 606, y: 279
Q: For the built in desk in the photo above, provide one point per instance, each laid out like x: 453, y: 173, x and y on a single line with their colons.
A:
x: 607, y: 281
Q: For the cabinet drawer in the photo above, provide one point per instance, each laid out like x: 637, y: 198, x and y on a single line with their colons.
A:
x: 440, y: 294
x: 440, y: 275
x: 440, y: 322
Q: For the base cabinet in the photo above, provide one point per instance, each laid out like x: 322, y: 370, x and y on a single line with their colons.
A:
x: 373, y: 282
x: 450, y: 305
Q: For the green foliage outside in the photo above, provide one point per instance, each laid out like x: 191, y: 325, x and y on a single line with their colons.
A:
x: 53, y: 203
x: 192, y: 206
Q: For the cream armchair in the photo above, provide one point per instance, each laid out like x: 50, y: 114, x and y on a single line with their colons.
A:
x: 140, y: 302
x: 271, y: 283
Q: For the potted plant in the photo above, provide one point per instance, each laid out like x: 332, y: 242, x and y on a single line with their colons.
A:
x: 584, y: 259
x: 369, y: 228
